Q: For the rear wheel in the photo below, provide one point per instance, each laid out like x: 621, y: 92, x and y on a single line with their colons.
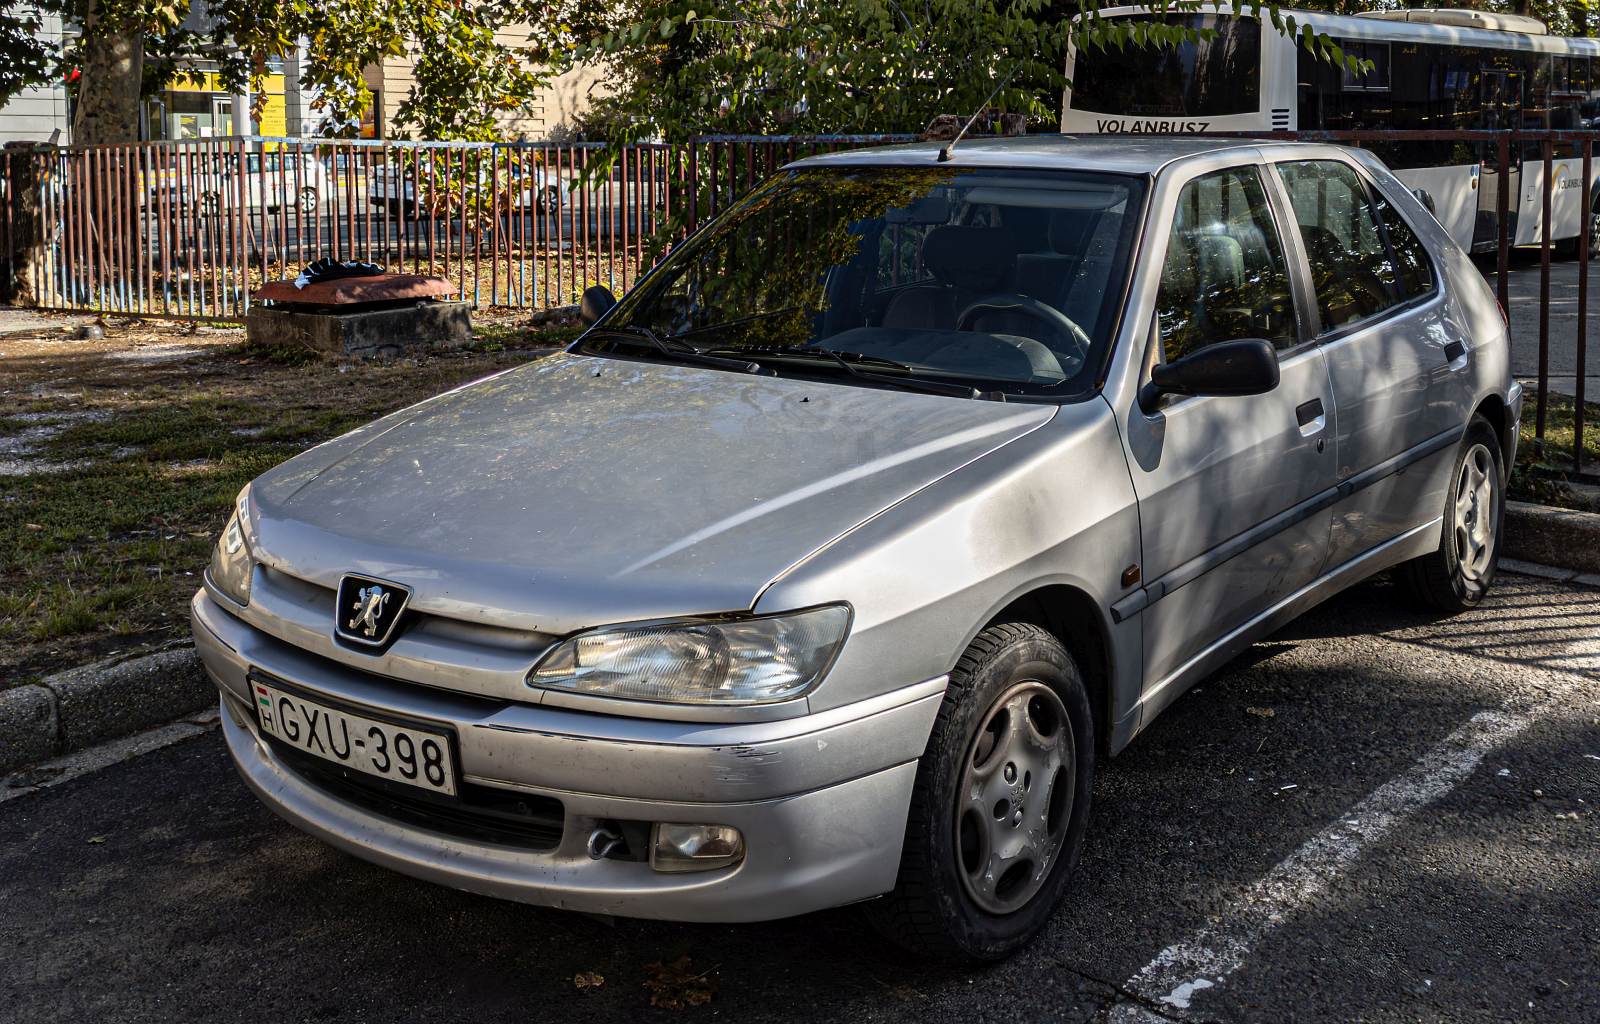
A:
x: 1000, y: 803
x: 1457, y: 575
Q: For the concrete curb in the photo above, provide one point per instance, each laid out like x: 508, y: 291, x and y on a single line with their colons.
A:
x: 1552, y: 536
x: 94, y: 703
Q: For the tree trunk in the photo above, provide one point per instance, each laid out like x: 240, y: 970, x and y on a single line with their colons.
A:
x: 23, y: 260
x: 108, y: 93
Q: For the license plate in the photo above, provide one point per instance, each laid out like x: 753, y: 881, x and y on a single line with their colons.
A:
x: 399, y: 753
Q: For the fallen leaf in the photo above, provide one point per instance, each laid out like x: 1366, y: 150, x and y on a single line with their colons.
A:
x: 588, y: 979
x: 32, y: 526
x: 97, y: 839
x: 1261, y: 712
x: 675, y: 986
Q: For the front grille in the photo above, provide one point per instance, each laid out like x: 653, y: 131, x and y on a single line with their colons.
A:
x: 479, y: 813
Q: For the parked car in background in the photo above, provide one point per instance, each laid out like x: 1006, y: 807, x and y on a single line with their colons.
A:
x: 209, y: 182
x: 830, y: 563
x: 525, y: 187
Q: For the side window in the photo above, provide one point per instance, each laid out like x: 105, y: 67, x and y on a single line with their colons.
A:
x: 1351, y: 270
x: 1224, y: 278
x: 1410, y: 258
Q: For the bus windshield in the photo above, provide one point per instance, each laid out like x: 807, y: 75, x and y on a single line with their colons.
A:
x: 1215, y: 76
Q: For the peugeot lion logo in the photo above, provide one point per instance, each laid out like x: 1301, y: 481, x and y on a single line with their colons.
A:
x: 368, y: 610
x: 368, y: 606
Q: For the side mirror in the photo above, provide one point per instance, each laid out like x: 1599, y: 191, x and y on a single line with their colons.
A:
x: 596, y: 302
x: 1228, y: 368
x: 1426, y: 199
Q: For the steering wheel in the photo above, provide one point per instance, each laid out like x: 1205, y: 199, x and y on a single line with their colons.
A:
x: 1042, y: 358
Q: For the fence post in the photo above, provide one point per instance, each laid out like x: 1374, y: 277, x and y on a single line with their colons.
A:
x: 694, y: 187
x: 1502, y: 212
x: 1585, y: 239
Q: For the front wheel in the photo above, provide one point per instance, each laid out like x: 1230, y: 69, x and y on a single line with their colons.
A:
x: 1000, y: 804
x: 307, y: 200
x: 1457, y: 576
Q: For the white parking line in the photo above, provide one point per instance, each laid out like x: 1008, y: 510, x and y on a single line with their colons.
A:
x: 1205, y: 958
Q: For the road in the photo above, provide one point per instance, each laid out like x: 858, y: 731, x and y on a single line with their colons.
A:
x: 1523, y: 291
x: 1373, y: 815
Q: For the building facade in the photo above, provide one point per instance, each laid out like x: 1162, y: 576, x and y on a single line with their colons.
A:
x: 39, y: 113
x: 196, y: 105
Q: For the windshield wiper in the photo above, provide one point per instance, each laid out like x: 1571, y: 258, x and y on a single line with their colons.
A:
x: 910, y: 383
x: 679, y: 350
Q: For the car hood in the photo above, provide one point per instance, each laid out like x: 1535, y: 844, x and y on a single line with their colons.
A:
x: 582, y: 490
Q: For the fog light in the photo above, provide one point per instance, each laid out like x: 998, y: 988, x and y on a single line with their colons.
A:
x: 694, y: 847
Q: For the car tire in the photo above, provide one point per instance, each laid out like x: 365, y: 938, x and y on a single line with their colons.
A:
x: 975, y: 791
x: 1457, y: 576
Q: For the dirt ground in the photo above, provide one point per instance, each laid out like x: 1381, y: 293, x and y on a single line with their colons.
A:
x: 120, y: 456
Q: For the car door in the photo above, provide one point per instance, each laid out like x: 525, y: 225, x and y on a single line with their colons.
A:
x: 1233, y: 491
x: 1391, y: 350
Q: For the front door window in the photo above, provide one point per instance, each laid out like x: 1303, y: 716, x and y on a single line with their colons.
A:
x: 1224, y: 278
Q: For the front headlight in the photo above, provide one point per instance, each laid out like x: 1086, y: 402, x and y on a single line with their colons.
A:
x: 700, y: 661
x: 230, y: 565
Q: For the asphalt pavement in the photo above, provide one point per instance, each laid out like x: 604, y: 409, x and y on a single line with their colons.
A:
x: 1375, y: 815
x: 1523, y: 290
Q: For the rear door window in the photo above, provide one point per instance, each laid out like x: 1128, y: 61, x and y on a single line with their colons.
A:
x: 1410, y: 258
x: 1353, y: 271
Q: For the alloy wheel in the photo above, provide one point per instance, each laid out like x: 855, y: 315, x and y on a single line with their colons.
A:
x: 1015, y: 797
x: 308, y: 199
x: 1475, y: 513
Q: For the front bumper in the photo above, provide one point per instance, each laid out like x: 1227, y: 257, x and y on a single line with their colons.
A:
x: 821, y: 799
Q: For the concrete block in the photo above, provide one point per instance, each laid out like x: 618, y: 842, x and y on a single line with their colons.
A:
x: 1552, y: 536
x: 108, y: 699
x: 27, y: 726
x: 384, y: 333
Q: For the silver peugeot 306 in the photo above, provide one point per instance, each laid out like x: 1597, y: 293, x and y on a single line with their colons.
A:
x: 830, y: 561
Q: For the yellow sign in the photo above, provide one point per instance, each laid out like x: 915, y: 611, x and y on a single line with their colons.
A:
x: 274, y: 115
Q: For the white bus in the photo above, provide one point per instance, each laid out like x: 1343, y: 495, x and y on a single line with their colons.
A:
x: 1432, y: 70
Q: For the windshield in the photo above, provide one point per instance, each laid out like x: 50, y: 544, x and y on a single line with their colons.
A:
x: 996, y: 280
x: 1214, y: 76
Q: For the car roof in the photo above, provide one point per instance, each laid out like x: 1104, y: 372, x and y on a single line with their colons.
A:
x: 1125, y: 154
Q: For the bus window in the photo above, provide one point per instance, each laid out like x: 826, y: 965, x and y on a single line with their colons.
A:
x: 1373, y: 79
x: 1211, y: 77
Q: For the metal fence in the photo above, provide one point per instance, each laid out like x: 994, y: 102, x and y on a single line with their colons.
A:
x: 191, y: 229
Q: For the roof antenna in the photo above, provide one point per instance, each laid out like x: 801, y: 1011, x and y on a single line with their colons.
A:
x: 944, y: 154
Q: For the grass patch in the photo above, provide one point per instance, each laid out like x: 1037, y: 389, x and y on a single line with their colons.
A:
x: 1541, y: 468
x: 103, y: 556
x: 1560, y: 431
x: 495, y: 336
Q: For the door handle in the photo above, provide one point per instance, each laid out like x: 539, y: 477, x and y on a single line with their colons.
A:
x: 1309, y: 413
x: 1453, y: 351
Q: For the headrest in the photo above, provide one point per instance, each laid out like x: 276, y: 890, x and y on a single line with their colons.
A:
x: 972, y: 258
